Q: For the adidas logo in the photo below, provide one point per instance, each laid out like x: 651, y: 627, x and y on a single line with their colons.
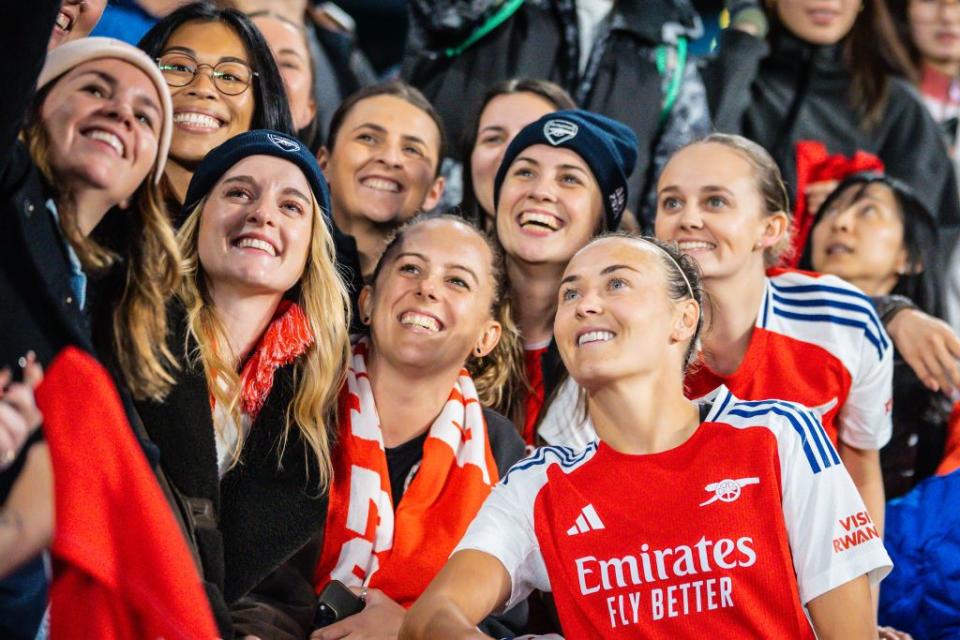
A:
x: 588, y: 520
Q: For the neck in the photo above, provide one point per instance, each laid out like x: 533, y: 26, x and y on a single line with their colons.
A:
x: 946, y: 67
x: 729, y: 319
x: 91, y: 206
x: 875, y: 286
x: 371, y: 239
x: 534, y: 290
x: 179, y: 178
x: 244, y: 317
x: 644, y: 415
x: 408, y: 399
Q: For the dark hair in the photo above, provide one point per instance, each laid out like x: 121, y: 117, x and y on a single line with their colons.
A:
x: 552, y: 93
x: 922, y: 282
x: 396, y: 89
x: 872, y: 52
x: 493, y: 373
x: 768, y: 180
x: 270, y: 109
x: 310, y: 134
x: 899, y: 11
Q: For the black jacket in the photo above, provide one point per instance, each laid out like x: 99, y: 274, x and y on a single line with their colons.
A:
x: 787, y: 90
x: 249, y: 523
x: 540, y: 41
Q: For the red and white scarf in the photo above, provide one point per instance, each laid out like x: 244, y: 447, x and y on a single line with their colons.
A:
x: 365, y: 541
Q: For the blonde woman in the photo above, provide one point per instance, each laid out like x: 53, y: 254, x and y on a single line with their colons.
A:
x: 260, y: 332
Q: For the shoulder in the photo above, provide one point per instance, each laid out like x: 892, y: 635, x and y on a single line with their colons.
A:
x: 824, y: 310
x: 534, y: 469
x: 505, y: 443
x: 793, y: 425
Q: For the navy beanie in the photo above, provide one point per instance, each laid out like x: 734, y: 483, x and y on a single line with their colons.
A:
x: 607, y: 146
x: 259, y: 142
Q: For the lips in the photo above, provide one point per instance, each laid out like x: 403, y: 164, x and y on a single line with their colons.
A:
x: 379, y: 183
x: 540, y: 219
x: 196, y: 121
x: 108, y: 138
x: 693, y: 246
x: 65, y: 21
x: 838, y: 248
x: 421, y: 320
x: 822, y: 17
x: 594, y: 336
x: 258, y: 243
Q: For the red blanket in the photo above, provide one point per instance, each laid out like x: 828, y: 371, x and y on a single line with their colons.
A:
x: 122, y: 569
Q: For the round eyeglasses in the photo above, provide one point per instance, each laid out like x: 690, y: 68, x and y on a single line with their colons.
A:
x: 230, y: 77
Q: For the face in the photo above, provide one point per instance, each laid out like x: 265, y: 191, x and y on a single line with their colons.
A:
x: 501, y: 120
x: 615, y: 320
x: 103, y: 120
x: 717, y: 216
x: 203, y: 116
x: 383, y: 166
x: 290, y: 51
x: 256, y: 226
x: 430, y: 306
x: 76, y: 20
x: 550, y: 206
x: 821, y: 22
x: 935, y: 29
x: 860, y: 239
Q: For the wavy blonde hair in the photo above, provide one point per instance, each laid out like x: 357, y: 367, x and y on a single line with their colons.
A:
x: 137, y: 324
x: 318, y: 374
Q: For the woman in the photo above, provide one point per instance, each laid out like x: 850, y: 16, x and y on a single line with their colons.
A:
x: 95, y: 138
x: 223, y: 82
x: 506, y: 108
x: 382, y: 158
x: 874, y: 233
x: 288, y: 42
x: 412, y: 420
x: 825, y: 76
x: 601, y: 527
x: 562, y: 180
x: 765, y: 331
x: 260, y: 335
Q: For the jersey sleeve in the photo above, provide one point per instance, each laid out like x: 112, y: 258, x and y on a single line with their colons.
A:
x: 865, y: 419
x: 503, y: 528
x: 832, y: 537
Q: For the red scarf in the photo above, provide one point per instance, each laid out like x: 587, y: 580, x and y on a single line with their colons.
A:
x: 365, y: 542
x: 814, y: 164
x: 122, y: 569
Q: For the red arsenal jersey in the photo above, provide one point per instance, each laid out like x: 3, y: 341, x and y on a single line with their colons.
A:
x: 727, y: 535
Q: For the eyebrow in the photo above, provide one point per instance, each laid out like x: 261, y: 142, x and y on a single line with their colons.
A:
x: 193, y: 54
x: 249, y: 180
x: 491, y: 127
x: 603, y: 272
x: 449, y: 265
x: 708, y: 188
x: 290, y: 50
x: 244, y: 179
x: 296, y: 192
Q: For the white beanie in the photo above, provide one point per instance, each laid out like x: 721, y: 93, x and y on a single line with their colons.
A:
x: 74, y: 53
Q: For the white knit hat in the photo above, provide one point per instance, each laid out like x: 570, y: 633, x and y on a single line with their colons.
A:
x: 67, y: 56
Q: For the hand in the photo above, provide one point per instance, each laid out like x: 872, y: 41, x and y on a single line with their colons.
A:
x: 380, y: 619
x: 817, y: 192
x: 889, y: 633
x: 19, y: 415
x: 929, y: 346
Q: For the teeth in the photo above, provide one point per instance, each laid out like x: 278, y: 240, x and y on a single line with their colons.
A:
x: 420, y: 320
x: 197, y: 120
x: 544, y: 219
x: 109, y: 138
x: 64, y: 21
x: 594, y: 336
x: 693, y: 246
x: 255, y: 243
x: 381, y: 184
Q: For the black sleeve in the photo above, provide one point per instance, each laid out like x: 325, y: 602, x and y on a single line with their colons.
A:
x: 23, y: 49
x: 728, y: 77
x: 505, y: 442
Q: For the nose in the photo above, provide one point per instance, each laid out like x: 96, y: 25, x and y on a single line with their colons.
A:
x: 389, y: 153
x: 542, y: 190
x: 202, y: 84
x: 589, y: 304
x: 690, y: 217
x: 843, y: 220
x: 261, y: 214
x: 121, y: 111
x: 427, y: 288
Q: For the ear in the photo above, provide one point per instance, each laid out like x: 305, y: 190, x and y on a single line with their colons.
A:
x: 775, y: 227
x: 685, y: 319
x: 433, y: 195
x: 323, y: 159
x: 488, y: 339
x: 125, y: 203
x: 904, y: 269
x: 365, y: 304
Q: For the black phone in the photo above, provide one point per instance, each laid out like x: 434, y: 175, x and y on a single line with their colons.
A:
x: 335, y: 603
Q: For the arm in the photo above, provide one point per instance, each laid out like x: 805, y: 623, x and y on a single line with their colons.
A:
x: 844, y: 612
x: 928, y: 345
x: 470, y: 586
x: 26, y: 520
x: 863, y: 465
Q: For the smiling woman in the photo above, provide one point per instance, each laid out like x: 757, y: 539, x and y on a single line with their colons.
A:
x: 76, y: 20
x: 223, y: 81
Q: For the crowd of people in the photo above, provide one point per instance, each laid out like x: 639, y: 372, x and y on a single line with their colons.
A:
x: 556, y: 330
